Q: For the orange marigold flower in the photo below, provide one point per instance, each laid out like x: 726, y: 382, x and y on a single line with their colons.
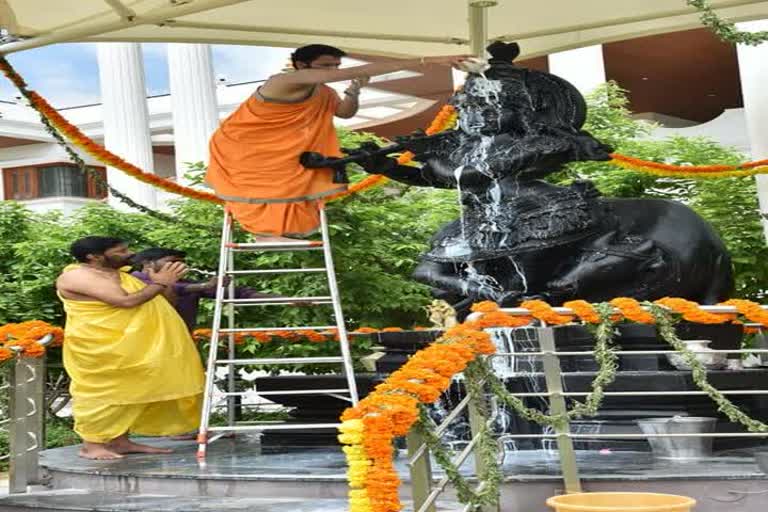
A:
x: 21, y: 342
x: 5, y: 354
x: 631, y: 310
x: 261, y: 337
x: 424, y: 392
x: 584, y: 310
x: 751, y: 310
x: 485, y: 306
x: 691, y: 311
x: 34, y: 350
x: 58, y: 337
x: 392, y: 329
x: 457, y: 331
x: 544, y: 312
x: 311, y: 336
x: 498, y: 319
x: 365, y: 330
x: 201, y: 334
x: 9, y: 331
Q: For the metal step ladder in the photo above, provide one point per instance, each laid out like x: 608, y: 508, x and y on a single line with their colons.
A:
x: 225, y: 300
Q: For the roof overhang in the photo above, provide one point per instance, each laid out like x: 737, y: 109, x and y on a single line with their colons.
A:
x: 392, y: 28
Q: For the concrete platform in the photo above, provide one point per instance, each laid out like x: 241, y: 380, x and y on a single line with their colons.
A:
x: 82, y: 500
x: 236, y: 476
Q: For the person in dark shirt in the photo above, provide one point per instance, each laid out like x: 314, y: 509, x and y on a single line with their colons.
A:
x: 187, y: 293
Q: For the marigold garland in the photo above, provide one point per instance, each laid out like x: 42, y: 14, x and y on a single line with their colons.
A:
x: 544, y: 312
x: 485, y: 306
x: 300, y: 335
x: 444, y: 119
x: 392, y: 409
x: 691, y: 311
x: 395, y: 406
x: 689, y: 171
x: 752, y: 311
x: 584, y: 310
x: 23, y: 338
x: 499, y: 319
x: 631, y: 310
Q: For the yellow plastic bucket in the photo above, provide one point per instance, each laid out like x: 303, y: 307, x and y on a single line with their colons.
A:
x: 621, y: 502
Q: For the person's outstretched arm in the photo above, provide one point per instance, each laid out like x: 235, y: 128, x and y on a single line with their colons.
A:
x: 303, y: 77
x: 433, y: 172
x: 80, y: 284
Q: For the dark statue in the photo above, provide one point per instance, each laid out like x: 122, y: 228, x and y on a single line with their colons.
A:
x: 521, y: 237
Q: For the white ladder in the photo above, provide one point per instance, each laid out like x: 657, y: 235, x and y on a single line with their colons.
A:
x: 226, y: 268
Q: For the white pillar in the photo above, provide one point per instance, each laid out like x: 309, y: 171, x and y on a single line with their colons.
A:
x: 583, y: 67
x: 193, y: 99
x: 754, y: 75
x: 126, y: 119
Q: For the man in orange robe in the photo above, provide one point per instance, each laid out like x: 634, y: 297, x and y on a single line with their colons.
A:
x: 254, y: 155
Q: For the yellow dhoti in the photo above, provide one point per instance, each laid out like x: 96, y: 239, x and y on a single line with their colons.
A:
x: 132, y: 369
x: 100, y: 423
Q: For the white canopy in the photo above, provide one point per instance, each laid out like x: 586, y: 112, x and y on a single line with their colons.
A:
x: 391, y: 27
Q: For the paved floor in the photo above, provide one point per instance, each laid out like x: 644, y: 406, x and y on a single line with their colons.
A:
x: 240, y: 459
x: 81, y: 500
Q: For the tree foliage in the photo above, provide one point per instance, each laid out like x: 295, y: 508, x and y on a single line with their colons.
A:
x: 728, y: 204
x: 376, y: 238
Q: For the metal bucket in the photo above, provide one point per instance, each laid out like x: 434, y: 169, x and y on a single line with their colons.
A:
x: 679, y: 447
x: 761, y: 458
x: 761, y: 342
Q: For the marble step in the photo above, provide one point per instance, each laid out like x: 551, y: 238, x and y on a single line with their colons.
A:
x: 72, y: 500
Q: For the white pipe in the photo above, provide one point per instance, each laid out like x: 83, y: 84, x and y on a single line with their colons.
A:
x: 478, y: 25
x: 315, y: 32
x: 121, y: 9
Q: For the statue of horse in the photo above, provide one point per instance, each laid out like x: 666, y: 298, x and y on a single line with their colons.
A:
x: 521, y: 237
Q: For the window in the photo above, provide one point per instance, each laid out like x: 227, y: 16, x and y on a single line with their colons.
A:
x: 53, y: 180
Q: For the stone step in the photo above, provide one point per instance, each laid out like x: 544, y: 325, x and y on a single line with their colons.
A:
x: 84, y: 500
x: 234, y: 468
x: 74, y: 500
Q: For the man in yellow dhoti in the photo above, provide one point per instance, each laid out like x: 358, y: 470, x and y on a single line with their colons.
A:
x: 133, y: 364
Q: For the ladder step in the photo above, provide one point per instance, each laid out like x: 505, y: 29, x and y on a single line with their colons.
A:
x: 282, y: 360
x: 274, y: 271
x: 275, y: 301
x: 265, y: 329
x: 276, y: 246
x: 278, y: 426
x: 291, y: 392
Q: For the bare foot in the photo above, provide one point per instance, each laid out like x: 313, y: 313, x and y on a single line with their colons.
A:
x: 124, y: 445
x: 97, y: 451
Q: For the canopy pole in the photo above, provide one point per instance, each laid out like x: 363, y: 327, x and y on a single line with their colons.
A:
x: 478, y: 26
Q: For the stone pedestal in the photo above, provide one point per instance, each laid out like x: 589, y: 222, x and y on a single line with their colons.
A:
x: 311, y: 408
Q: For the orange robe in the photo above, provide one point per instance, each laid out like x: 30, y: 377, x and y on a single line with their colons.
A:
x: 254, y: 163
